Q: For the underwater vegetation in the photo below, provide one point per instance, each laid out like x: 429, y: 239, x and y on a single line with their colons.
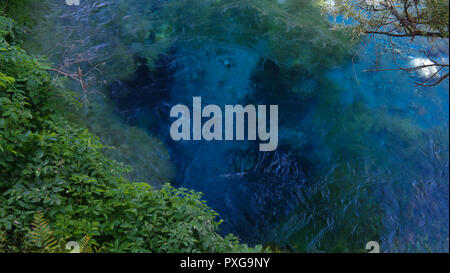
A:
x: 290, y: 33
x: 150, y: 161
x: 363, y: 195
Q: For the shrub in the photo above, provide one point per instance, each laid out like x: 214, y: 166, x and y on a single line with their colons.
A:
x: 51, y: 165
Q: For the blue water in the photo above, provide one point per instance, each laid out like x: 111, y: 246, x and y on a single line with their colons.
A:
x: 362, y: 156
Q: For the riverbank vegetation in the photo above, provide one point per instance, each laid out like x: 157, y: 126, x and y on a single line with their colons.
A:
x: 51, y: 165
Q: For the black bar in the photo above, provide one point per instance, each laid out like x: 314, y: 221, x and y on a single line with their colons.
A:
x: 224, y: 262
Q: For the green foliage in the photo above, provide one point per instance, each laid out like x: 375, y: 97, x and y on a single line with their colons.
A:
x: 52, y: 165
x: 437, y: 15
x: 41, y: 239
x: 23, y: 11
x: 137, y: 219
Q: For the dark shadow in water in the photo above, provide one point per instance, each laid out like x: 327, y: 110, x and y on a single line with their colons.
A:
x: 147, y: 93
x: 249, y: 189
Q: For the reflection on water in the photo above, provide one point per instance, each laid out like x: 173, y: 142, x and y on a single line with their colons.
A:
x: 362, y: 156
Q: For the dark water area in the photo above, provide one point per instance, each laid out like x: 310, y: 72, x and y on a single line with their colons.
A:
x: 361, y: 157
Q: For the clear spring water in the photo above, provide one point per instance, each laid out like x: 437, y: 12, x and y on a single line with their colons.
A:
x: 362, y: 156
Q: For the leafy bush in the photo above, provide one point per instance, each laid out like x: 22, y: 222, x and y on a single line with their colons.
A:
x: 51, y: 165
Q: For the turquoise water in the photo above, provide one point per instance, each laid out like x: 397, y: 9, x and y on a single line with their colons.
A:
x: 363, y: 156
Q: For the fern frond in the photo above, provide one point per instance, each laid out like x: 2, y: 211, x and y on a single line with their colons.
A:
x: 85, y: 244
x: 2, y: 241
x: 41, y: 234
